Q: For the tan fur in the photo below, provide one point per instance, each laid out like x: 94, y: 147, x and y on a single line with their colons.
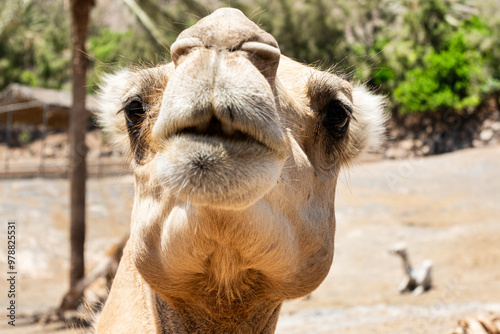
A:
x: 478, y: 325
x: 236, y: 161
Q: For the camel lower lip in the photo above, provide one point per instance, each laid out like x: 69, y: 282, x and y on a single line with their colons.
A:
x: 208, y: 170
x: 236, y: 138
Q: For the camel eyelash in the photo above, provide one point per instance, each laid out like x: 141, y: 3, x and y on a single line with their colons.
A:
x: 128, y: 101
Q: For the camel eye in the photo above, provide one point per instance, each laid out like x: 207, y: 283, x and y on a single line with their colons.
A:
x: 336, y: 118
x: 134, y: 112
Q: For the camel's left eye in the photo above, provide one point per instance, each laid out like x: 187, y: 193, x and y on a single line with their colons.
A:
x: 336, y: 118
x: 134, y: 112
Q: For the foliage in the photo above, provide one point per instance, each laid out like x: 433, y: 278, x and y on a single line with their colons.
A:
x: 34, y: 44
x: 108, y: 50
x: 430, y: 57
x: 489, y: 44
x: 24, y: 137
x: 425, y: 55
x: 308, y: 31
x: 450, y: 77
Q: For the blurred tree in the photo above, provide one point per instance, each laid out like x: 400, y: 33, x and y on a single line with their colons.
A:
x: 309, y: 31
x: 489, y: 43
x: 396, y: 45
x: 80, y: 17
x: 34, y: 43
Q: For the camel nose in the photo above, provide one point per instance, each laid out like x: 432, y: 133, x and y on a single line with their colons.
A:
x: 229, y: 30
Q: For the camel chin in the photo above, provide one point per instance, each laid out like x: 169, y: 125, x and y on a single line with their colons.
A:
x: 217, y: 172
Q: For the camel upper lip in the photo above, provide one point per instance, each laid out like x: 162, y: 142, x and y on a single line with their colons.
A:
x: 218, y: 129
x: 250, y: 127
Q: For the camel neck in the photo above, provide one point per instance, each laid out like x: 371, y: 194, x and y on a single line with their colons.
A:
x: 137, y: 308
x: 406, y: 263
x: 238, y: 317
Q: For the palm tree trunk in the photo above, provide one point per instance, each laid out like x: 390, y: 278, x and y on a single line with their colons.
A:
x: 80, y: 12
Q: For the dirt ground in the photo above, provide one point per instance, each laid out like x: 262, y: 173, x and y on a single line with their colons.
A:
x: 446, y: 208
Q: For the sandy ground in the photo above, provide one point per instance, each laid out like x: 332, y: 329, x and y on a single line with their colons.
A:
x: 447, y: 208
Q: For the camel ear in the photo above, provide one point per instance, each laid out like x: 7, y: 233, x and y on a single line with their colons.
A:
x: 112, y: 90
x: 367, y: 129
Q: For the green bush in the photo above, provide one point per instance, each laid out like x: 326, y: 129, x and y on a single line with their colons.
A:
x: 450, y: 78
x: 24, y: 137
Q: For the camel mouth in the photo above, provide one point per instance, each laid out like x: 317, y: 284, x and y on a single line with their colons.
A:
x: 216, y: 129
x: 217, y: 166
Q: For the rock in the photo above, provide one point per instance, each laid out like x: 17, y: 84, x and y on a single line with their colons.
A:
x: 406, y: 144
x: 495, y: 126
x: 493, y: 142
x: 487, y: 123
x: 486, y: 135
x: 477, y: 143
x: 49, y: 152
x: 92, y: 154
x: 396, y: 153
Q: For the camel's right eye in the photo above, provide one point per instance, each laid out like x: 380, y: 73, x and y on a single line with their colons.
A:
x: 336, y: 118
x: 134, y: 112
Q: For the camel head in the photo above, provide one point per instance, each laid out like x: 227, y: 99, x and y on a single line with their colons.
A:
x: 399, y: 249
x: 236, y: 151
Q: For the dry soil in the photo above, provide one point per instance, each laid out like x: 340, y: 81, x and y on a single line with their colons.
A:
x: 446, y: 208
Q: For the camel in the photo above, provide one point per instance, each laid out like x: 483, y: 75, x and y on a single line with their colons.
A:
x: 235, y: 150
x: 84, y: 299
x: 416, y: 280
x: 478, y: 325
x: 106, y: 268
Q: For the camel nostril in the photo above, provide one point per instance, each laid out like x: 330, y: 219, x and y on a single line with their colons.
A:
x: 264, y: 56
x: 261, y: 49
x: 182, y: 47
